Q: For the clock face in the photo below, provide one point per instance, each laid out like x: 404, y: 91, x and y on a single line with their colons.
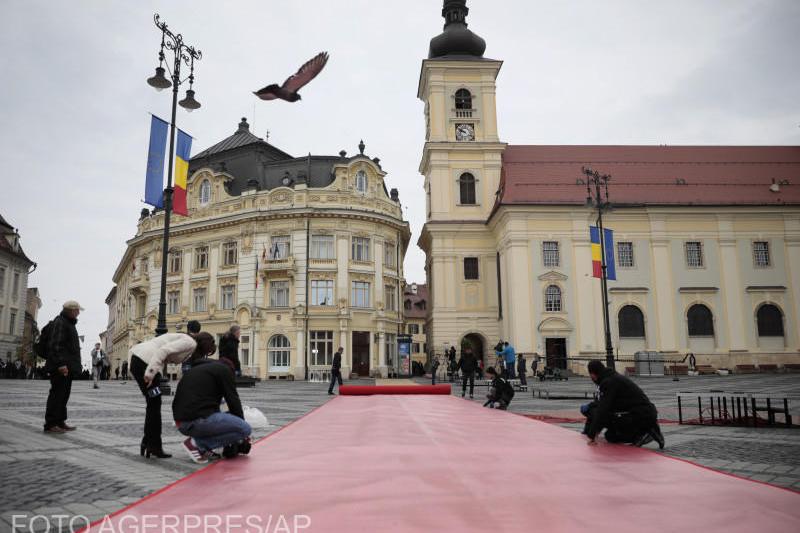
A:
x: 465, y: 132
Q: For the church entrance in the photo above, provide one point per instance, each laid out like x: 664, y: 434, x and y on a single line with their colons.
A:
x: 556, y: 352
x: 476, y: 341
x: 361, y: 353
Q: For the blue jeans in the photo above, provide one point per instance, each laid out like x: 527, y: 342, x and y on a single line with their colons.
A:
x: 216, y: 430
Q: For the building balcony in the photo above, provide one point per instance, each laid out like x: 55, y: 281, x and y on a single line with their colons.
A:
x: 284, y: 264
x: 464, y: 113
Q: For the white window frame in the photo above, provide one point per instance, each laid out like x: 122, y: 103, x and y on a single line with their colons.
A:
x: 390, y: 297
x: 360, y: 294
x: 389, y: 255
x: 279, y: 293
x: 3, y: 269
x: 205, y: 192
x: 762, y: 257
x: 201, y: 252
x: 553, y: 300
x: 244, y: 349
x: 175, y: 261
x: 279, y: 351
x: 361, y: 181
x: 230, y: 253
x: 200, y: 296
x: 323, y: 247
x: 322, y: 292
x: 173, y: 297
x: 694, y: 261
x: 360, y: 249
x: 280, y: 247
x: 227, y: 292
x: 625, y: 255
x: 12, y: 321
x: 322, y: 341
x: 551, y: 254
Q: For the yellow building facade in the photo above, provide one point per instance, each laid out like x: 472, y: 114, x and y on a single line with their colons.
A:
x: 707, y: 239
x: 305, y: 254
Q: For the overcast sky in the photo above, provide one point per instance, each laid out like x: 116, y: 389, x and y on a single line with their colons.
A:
x: 74, y: 119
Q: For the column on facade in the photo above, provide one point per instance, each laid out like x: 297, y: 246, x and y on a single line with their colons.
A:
x: 213, y: 267
x: 732, y: 289
x: 792, y: 311
x: 663, y: 294
x: 380, y: 293
x: 186, y: 289
x: 588, y: 308
x: 300, y: 350
x: 520, y: 304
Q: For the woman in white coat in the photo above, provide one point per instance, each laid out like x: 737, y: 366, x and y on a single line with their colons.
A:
x: 147, y: 363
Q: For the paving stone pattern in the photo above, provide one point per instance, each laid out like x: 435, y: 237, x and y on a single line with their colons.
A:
x: 97, y: 469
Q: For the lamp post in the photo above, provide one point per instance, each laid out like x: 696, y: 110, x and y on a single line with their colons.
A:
x: 186, y: 54
x: 597, y: 196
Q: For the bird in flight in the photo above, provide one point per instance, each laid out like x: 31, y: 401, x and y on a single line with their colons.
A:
x: 288, y: 91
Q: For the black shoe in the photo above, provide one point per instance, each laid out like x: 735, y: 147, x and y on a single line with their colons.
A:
x: 330, y: 392
x: 643, y: 439
x: 156, y: 452
x: 54, y: 429
x: 230, y: 451
x: 244, y: 446
x: 658, y: 436
x: 65, y: 427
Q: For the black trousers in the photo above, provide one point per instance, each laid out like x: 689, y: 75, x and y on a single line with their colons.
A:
x: 467, y: 376
x: 336, y: 375
x: 627, y: 427
x: 60, y: 388
x: 152, y: 416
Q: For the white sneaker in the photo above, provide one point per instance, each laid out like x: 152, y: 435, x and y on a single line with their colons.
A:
x: 194, y: 452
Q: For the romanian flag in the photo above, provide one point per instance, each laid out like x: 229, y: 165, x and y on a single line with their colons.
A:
x: 608, y: 244
x: 182, y: 152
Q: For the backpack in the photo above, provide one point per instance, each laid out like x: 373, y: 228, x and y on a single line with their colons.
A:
x: 40, y: 347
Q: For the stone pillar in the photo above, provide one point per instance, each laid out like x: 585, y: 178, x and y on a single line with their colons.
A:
x: 520, y: 297
x: 663, y: 294
x: 732, y: 289
x: 382, y: 367
x: 792, y: 311
x: 300, y: 353
x: 186, y: 288
x: 213, y: 267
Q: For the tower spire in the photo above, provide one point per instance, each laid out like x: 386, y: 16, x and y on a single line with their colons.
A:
x: 456, y: 40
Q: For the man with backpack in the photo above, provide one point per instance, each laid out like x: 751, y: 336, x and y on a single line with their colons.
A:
x: 500, y: 391
x: 60, y: 345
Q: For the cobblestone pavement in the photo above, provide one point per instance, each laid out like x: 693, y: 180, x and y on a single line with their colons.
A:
x: 97, y: 469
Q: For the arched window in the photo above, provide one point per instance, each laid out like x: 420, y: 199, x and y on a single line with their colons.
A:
x: 463, y: 99
x: 770, y: 321
x: 701, y: 321
x: 407, y: 304
x: 552, y: 298
x: 278, y: 349
x: 466, y: 184
x: 205, y: 192
x: 361, y: 181
x: 631, y: 322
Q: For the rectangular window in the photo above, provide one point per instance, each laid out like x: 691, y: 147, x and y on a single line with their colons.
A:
x: 389, y: 255
x: 12, y: 321
x: 391, y: 350
x: 175, y: 261
x: 413, y: 329
x: 2, y: 280
x: 1, y: 318
x: 244, y: 350
x: 390, y: 298
x: 228, y: 295
x: 15, y: 287
x: 173, y: 302
x: 141, y: 306
x: 199, y: 300
x: 322, y: 292
x: 279, y: 294
x: 471, y: 268
x: 321, y: 346
x: 694, y: 254
x: 550, y: 256
x: 230, y: 254
x: 360, y: 249
x: 761, y: 254
x: 414, y: 347
x: 625, y: 254
x: 322, y: 247
x: 360, y: 294
x: 280, y: 247
x: 201, y: 258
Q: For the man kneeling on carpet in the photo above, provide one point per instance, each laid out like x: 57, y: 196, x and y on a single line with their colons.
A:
x: 197, y: 415
x: 622, y: 408
x: 500, y: 390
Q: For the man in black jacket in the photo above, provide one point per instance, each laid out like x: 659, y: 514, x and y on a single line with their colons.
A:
x: 467, y: 364
x: 63, y: 365
x: 336, y: 370
x: 622, y: 408
x: 500, y: 390
x: 229, y: 349
x: 197, y: 415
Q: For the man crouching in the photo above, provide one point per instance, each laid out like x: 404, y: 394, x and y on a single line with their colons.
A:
x: 622, y: 408
x: 196, y: 410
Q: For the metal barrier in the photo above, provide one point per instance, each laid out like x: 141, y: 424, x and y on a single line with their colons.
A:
x: 735, y: 409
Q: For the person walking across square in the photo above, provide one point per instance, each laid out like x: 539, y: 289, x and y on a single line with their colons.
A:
x: 336, y: 370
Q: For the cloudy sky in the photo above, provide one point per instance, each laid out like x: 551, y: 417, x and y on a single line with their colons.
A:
x: 74, y: 116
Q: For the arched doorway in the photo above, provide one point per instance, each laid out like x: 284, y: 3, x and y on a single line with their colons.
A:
x: 476, y: 341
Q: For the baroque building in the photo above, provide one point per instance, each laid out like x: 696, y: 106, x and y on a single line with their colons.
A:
x: 14, y: 269
x: 707, y: 238
x: 415, y: 311
x: 304, y: 253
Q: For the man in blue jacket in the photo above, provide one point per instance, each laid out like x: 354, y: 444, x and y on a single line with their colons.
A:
x: 510, y: 357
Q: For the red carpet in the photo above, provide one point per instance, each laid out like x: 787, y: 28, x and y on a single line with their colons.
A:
x: 433, y: 463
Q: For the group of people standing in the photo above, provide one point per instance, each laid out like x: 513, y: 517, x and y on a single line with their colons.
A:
x: 196, y: 406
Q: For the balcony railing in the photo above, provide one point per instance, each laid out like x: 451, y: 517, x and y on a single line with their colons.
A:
x: 464, y: 113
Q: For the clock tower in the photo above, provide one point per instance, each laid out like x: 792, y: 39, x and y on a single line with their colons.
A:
x: 461, y: 163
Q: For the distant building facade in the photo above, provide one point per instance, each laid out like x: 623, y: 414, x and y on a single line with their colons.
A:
x: 707, y: 239
x: 305, y: 254
x: 30, y: 331
x: 415, y: 310
x: 14, y: 269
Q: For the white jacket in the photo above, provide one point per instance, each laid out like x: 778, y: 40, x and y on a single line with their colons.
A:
x: 167, y: 348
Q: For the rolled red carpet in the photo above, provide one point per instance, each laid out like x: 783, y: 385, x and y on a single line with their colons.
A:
x: 368, y: 390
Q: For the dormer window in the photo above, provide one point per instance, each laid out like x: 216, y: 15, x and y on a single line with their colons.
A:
x: 205, y: 192
x: 361, y: 181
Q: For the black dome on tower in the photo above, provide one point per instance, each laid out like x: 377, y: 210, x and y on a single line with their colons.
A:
x: 456, y: 39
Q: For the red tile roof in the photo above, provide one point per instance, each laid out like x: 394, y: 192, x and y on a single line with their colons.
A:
x: 653, y: 175
x: 418, y: 301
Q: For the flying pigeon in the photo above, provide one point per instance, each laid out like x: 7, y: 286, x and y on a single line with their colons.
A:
x: 288, y: 91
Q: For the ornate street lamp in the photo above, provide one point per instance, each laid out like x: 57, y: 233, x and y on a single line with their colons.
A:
x: 186, y: 54
x: 597, y: 196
